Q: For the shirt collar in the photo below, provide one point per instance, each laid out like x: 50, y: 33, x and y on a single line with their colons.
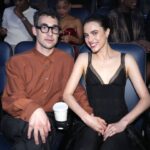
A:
x: 27, y: 10
x: 43, y: 58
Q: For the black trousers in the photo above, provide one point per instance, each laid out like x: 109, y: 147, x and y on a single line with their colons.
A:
x: 81, y: 137
x: 16, y: 132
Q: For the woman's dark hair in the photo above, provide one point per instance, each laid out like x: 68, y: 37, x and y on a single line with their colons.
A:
x: 44, y: 12
x: 101, y: 20
x: 66, y: 1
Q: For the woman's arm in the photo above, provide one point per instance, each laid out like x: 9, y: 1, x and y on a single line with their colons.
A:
x: 79, y: 38
x: 79, y: 69
x: 144, y: 103
x: 72, y: 83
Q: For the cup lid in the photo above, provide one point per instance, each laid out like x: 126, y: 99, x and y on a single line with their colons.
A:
x: 59, y: 106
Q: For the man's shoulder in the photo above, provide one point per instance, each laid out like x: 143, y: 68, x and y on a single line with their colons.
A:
x: 9, y: 9
x: 64, y: 55
x: 21, y: 57
x: 32, y: 9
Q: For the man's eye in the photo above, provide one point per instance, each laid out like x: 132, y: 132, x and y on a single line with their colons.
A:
x: 44, y: 27
x: 56, y: 28
x: 85, y: 35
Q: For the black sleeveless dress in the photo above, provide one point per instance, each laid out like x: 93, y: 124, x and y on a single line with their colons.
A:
x: 107, y: 101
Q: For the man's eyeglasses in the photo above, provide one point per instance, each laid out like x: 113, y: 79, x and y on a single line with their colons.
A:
x: 45, y: 28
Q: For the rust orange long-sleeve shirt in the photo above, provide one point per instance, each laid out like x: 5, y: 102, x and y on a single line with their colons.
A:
x: 35, y: 80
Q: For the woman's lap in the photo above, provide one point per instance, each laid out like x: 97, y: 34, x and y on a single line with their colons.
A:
x: 88, y: 139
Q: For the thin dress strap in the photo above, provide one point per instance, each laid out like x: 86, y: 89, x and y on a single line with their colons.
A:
x: 123, y: 62
x: 89, y: 59
x: 89, y: 62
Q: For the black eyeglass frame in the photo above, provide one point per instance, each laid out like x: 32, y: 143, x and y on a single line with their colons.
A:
x: 41, y: 27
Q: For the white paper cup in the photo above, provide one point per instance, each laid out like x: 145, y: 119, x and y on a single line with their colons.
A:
x: 60, y: 111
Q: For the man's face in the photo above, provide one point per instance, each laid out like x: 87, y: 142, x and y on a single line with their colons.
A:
x: 131, y: 4
x: 46, y: 39
x: 21, y: 4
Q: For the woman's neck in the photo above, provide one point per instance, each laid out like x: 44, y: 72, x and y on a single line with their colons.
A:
x: 105, y: 53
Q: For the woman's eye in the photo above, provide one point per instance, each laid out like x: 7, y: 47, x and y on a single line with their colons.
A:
x: 94, y: 32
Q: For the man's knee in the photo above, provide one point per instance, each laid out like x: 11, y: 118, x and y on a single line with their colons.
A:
x: 13, y: 128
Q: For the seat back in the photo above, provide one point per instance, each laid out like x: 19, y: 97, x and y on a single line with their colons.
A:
x: 81, y: 13
x: 5, y: 53
x: 102, y: 11
x: 28, y: 45
x: 139, y: 54
x: 24, y: 46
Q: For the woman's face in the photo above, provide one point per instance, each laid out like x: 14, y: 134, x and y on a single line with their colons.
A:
x: 95, y: 36
x: 63, y: 8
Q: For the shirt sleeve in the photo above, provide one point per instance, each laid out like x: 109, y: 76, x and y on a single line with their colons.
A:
x: 4, y: 19
x: 15, y: 100
x: 80, y: 92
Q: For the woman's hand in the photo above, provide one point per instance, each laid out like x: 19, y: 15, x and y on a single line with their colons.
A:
x: 65, y: 38
x: 96, y: 123
x: 114, y: 128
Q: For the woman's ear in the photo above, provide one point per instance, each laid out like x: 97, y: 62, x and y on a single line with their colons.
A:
x: 107, y: 32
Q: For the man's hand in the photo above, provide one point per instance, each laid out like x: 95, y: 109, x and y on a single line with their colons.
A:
x: 39, y: 124
x: 3, y: 31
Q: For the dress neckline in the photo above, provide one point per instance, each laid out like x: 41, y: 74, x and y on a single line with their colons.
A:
x: 114, y: 76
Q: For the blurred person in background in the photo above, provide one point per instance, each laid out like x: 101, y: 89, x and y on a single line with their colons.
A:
x: 128, y: 25
x: 71, y: 27
x: 17, y: 23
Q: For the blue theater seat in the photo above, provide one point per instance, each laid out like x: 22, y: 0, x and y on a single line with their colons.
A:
x: 28, y: 45
x: 81, y: 13
x: 5, y: 54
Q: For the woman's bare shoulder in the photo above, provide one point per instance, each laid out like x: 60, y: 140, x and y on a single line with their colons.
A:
x: 82, y: 58
x: 129, y: 58
x: 77, y: 20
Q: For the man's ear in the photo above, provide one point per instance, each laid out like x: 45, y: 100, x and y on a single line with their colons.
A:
x: 34, y: 31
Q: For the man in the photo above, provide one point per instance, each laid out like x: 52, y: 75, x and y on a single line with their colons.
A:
x: 128, y: 25
x: 35, y: 81
x: 127, y: 22
x: 17, y: 23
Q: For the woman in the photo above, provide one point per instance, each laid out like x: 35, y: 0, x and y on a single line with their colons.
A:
x: 105, y: 71
x: 71, y: 27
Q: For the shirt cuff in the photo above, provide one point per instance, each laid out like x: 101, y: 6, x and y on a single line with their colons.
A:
x: 29, y: 110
